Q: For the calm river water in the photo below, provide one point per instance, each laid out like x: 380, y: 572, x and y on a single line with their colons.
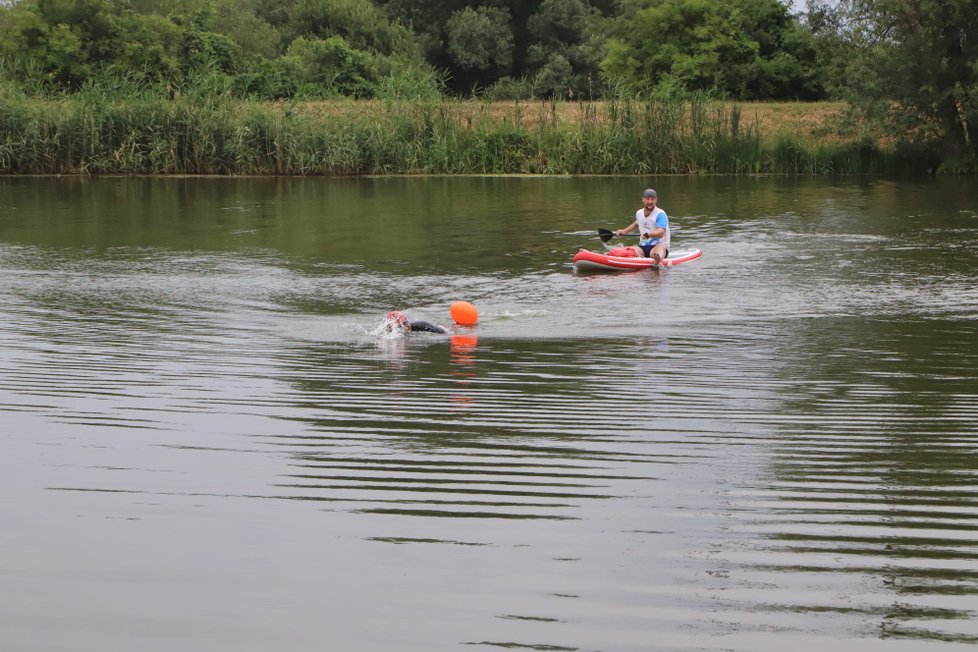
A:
x: 206, y: 446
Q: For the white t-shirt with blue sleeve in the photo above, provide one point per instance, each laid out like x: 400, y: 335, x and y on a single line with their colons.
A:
x: 646, y: 223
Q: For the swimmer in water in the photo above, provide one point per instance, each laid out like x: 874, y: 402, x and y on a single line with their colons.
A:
x: 398, y: 320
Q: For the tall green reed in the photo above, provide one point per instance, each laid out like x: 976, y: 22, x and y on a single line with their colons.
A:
x: 201, y: 128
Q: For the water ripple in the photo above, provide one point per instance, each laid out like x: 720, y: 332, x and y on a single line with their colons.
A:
x: 778, y: 453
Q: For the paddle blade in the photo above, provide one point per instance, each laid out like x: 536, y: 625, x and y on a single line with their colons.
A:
x: 605, y: 235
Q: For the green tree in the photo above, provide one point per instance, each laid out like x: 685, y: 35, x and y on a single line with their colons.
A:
x: 255, y: 37
x: 833, y: 51
x: 566, y: 47
x: 917, y: 70
x: 556, y: 45
x: 481, y: 41
x: 363, y: 25
x: 63, y: 40
x: 204, y: 49
x: 330, y: 67
x: 152, y: 48
x: 427, y: 19
x: 349, y: 47
x: 65, y: 43
x: 749, y: 49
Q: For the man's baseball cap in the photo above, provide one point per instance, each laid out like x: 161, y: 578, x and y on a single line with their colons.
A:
x: 650, y: 193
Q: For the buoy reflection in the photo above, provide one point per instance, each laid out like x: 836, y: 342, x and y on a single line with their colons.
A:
x: 462, y: 352
x: 463, y: 348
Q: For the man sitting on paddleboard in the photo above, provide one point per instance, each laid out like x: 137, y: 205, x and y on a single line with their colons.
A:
x: 652, y: 224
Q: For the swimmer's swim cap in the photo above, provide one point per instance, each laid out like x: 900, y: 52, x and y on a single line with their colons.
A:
x: 399, y: 319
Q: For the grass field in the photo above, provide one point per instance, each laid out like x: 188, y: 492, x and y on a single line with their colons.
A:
x: 812, y: 122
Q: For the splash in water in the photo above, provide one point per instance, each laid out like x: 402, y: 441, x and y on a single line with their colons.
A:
x: 394, y: 326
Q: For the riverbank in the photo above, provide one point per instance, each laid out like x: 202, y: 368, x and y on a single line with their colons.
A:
x: 206, y: 134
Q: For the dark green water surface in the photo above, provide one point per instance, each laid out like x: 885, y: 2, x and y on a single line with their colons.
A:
x: 206, y: 444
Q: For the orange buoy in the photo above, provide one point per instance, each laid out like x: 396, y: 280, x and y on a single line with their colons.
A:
x: 464, y: 313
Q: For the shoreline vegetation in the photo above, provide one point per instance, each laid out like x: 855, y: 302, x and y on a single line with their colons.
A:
x: 92, y: 133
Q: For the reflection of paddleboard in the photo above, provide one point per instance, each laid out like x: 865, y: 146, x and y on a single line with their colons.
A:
x: 592, y: 261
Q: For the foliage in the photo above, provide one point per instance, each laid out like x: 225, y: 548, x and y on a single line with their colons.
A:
x: 915, y: 70
x: 832, y: 50
x: 311, y: 48
x: 66, y: 43
x: 62, y: 40
x: 568, y: 43
x: 479, y: 47
x: 122, y: 128
x: 321, y: 48
x: 749, y: 49
x: 363, y: 25
x: 480, y: 39
x: 330, y: 64
x: 509, y: 88
x: 909, y: 66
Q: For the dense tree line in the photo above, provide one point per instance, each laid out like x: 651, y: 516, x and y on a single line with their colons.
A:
x: 912, y: 65
x: 749, y: 49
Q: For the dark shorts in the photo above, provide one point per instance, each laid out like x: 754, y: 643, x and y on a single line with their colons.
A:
x: 647, y: 249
